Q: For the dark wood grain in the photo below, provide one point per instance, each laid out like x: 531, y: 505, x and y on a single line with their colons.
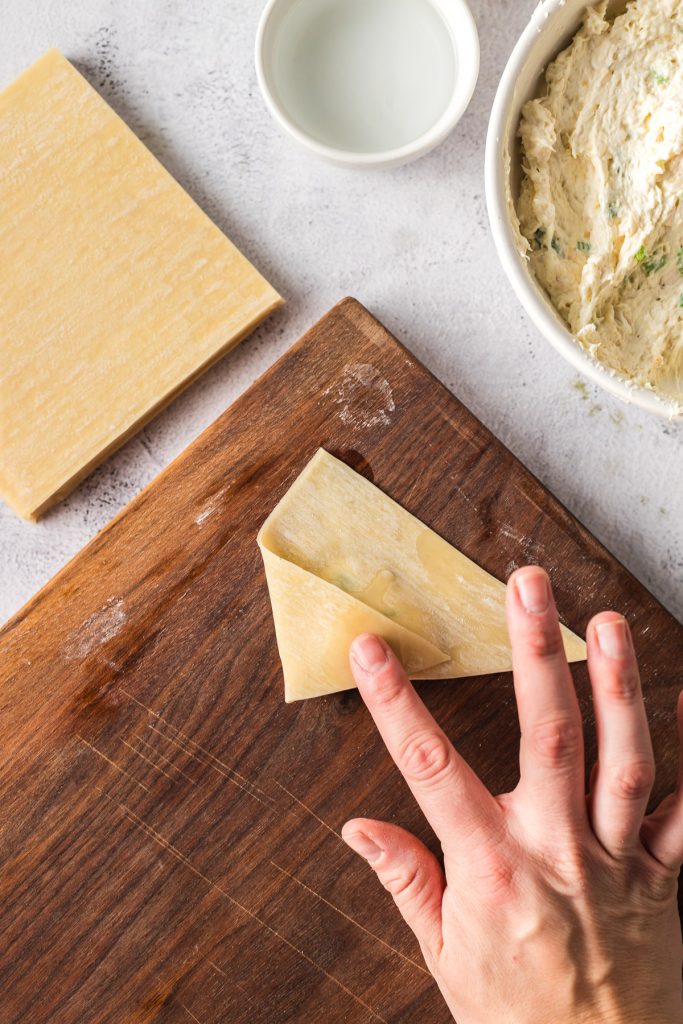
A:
x: 170, y: 844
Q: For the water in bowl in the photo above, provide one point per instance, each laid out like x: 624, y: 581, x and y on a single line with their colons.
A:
x: 364, y: 76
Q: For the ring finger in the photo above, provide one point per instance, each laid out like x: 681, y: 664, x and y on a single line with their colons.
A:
x: 624, y: 775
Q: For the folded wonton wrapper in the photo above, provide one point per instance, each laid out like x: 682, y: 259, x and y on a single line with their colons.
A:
x: 341, y: 558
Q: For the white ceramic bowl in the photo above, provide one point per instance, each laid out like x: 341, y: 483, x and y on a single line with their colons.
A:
x: 463, y: 32
x: 552, y: 26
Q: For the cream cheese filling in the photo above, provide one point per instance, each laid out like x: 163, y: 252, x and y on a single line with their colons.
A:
x: 599, y: 209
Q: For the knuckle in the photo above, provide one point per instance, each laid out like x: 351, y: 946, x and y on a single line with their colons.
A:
x: 403, y: 884
x: 426, y: 758
x: 557, y: 742
x: 494, y: 876
x: 579, y: 878
x: 570, y: 866
x: 661, y: 883
x: 387, y: 686
x: 544, y: 641
x: 623, y: 685
x: 632, y: 781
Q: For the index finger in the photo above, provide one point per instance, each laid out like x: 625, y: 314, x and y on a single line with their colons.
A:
x: 453, y: 799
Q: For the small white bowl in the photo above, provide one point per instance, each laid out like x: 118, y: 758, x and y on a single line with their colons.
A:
x: 460, y: 31
x: 551, y: 29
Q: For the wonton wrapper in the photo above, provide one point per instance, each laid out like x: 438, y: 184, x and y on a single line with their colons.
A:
x: 341, y: 558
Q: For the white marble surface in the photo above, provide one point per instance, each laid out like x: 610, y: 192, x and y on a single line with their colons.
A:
x: 412, y: 244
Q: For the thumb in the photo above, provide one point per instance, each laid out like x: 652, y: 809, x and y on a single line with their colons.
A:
x: 409, y: 871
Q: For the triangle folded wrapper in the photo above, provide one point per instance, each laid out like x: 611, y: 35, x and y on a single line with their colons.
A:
x: 342, y: 558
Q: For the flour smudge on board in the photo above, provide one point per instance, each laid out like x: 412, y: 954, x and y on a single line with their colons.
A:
x: 365, y: 397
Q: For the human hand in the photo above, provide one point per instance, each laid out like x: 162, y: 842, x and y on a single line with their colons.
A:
x: 550, y: 907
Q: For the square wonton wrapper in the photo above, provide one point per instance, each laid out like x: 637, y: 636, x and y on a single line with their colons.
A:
x: 116, y: 290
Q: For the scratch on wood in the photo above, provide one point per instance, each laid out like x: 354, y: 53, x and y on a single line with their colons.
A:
x: 188, y: 1012
x: 182, y: 743
x: 308, y: 810
x: 245, y: 993
x: 214, y: 761
x: 217, y: 968
x: 466, y: 498
x: 351, y: 919
x: 457, y: 427
x: 175, y: 852
x: 147, y: 759
x: 139, y: 703
x: 163, y: 757
x: 232, y: 981
x: 207, y: 764
x: 416, y: 483
x: 531, y: 501
x: 512, y: 534
x: 113, y: 764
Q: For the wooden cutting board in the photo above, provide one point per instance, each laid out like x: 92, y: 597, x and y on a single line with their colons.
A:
x: 169, y: 841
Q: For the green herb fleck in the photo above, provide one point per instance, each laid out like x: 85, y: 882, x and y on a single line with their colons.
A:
x: 655, y: 263
x: 680, y: 301
x: 661, y: 71
x: 555, y: 245
x: 651, y: 263
x: 612, y: 210
x: 581, y: 386
x: 583, y: 246
x: 679, y: 261
x: 539, y: 235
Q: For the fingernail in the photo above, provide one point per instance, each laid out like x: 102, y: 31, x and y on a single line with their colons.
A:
x: 369, y: 652
x: 534, y: 591
x: 614, y: 638
x: 363, y: 845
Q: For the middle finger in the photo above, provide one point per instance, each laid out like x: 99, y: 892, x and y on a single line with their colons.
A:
x: 551, y: 749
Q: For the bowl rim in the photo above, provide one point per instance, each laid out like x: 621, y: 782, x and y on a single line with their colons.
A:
x: 529, y: 292
x: 454, y: 13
